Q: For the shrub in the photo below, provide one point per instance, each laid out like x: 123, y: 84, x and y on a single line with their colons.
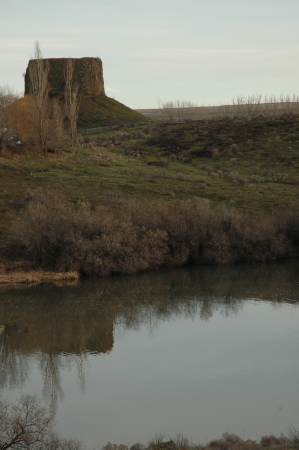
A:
x: 58, y: 235
x: 237, y: 179
x: 269, y: 441
x: 128, y: 237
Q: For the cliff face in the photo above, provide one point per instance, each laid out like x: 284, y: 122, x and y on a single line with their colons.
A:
x: 88, y: 74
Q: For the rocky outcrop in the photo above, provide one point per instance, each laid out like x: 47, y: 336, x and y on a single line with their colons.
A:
x: 88, y: 74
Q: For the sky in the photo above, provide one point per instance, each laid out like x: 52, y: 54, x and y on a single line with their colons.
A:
x: 207, y: 52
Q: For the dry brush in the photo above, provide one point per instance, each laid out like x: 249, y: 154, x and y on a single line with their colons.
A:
x: 129, y: 237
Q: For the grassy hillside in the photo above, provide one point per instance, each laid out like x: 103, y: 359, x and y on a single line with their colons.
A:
x: 252, y: 166
x: 102, y: 111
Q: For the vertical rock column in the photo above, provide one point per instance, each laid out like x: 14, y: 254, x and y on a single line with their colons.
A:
x: 88, y: 74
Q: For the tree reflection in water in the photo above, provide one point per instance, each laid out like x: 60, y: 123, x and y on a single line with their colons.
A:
x: 61, y: 325
x: 51, y: 365
x: 14, y: 365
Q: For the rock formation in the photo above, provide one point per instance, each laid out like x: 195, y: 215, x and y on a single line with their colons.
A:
x: 88, y: 74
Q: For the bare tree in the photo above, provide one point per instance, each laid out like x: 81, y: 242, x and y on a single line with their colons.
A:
x: 8, y: 115
x: 71, y: 98
x: 7, y: 96
x: 24, y: 424
x: 169, y: 111
x: 247, y: 107
x: 293, y: 436
x: 27, y: 425
x: 179, y: 111
x: 38, y: 74
x: 57, y: 115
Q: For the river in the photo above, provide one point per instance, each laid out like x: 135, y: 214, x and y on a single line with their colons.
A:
x: 196, y: 350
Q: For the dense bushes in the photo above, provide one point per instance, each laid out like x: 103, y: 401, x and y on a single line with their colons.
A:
x: 57, y: 234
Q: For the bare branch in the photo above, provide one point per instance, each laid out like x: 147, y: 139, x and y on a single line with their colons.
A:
x: 38, y: 73
x: 71, y: 98
x: 27, y: 425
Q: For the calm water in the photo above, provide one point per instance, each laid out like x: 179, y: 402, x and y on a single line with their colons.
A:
x: 197, y: 351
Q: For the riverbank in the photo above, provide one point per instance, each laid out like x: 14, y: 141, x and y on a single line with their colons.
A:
x: 59, y: 239
x: 55, y: 234
x: 14, y: 274
x: 154, y: 196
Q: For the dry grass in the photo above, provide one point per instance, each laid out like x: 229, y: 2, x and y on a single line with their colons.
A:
x: 12, y: 273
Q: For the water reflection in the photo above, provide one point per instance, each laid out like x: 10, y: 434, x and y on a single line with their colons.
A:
x: 14, y: 366
x: 60, y: 325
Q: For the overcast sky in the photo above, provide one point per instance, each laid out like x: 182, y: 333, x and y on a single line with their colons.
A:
x: 204, y: 51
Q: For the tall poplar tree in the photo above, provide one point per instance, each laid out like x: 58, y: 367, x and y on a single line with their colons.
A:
x: 71, y: 98
x: 38, y: 73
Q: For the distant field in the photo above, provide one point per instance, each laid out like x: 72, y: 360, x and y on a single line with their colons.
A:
x: 202, y: 112
x: 215, y: 112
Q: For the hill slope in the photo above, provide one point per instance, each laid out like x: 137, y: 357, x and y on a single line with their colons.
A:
x: 250, y: 165
x: 165, y: 178
x: 105, y: 111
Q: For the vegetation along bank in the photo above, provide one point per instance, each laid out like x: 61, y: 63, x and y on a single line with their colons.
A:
x: 219, y: 191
